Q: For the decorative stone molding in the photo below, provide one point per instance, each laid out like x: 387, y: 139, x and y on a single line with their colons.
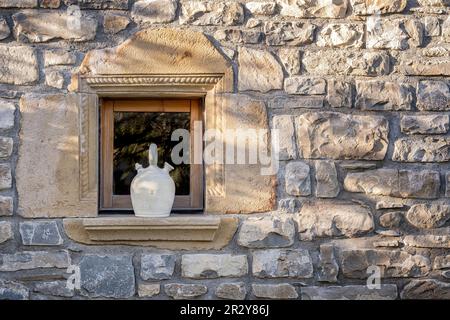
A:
x: 202, y: 72
x: 175, y: 228
x: 178, y: 232
x: 182, y: 63
x: 95, y: 82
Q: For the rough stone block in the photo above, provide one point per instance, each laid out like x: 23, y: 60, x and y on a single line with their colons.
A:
x: 261, y: 8
x: 340, y: 94
x: 33, y: 260
x: 305, y: 86
x: 383, y: 95
x: 40, y: 233
x: 298, y: 179
x: 148, y: 290
x: 99, y: 5
x: 266, y: 232
x: 185, y: 291
x: 59, y: 57
x: 344, y: 62
x: 393, y: 263
x: 327, y: 184
x: 202, y: 13
x: 6, y: 146
x: 231, y: 291
x: 107, y: 276
x: 422, y: 149
x: 353, y: 292
x: 396, y: 183
x: 114, y: 23
x: 6, y: 206
x: 368, y: 7
x: 275, y: 291
x: 341, y: 35
x: 426, y: 289
x: 428, y: 215
x: 339, y: 136
x: 54, y: 288
x: 288, y: 33
x: 386, y: 34
x: 259, y: 71
x: 313, y: 9
x: 290, y: 58
x: 6, y: 232
x: 11, y: 290
x: 34, y: 26
x: 286, y: 136
x: 277, y: 263
x: 5, y: 176
x: 18, y: 4
x: 331, y: 219
x: 427, y: 240
x: 328, y: 267
x: 154, y: 11
x: 433, y: 96
x: 434, y: 124
x: 209, y: 266
x: 4, y: 29
x: 157, y: 266
x: 18, y: 65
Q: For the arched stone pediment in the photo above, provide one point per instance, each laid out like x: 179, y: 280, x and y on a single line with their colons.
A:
x: 162, y: 52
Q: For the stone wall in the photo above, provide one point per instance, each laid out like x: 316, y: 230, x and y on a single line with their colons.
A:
x: 360, y: 92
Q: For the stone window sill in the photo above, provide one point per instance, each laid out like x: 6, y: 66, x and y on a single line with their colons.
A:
x: 175, y: 232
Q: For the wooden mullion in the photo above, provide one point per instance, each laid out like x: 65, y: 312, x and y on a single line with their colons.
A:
x: 107, y: 157
x: 196, y: 170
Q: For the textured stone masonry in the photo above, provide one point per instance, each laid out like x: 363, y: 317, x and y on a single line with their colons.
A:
x: 358, y: 90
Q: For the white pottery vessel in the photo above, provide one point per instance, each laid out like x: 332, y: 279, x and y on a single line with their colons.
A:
x: 152, y: 189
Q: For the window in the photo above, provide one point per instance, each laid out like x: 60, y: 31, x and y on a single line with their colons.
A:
x: 128, y: 126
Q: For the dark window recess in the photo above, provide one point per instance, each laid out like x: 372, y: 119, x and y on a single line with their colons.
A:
x: 128, y: 127
x: 132, y: 133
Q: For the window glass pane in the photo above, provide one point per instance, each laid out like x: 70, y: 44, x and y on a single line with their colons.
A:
x: 133, y: 133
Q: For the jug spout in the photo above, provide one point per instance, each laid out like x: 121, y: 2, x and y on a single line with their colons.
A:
x: 167, y: 167
x: 153, y: 155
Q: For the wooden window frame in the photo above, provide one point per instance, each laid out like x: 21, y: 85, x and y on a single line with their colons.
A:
x: 110, y: 202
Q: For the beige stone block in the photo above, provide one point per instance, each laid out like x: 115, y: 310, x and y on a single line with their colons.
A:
x: 18, y: 65
x: 6, y: 232
x: 114, y: 23
x: 331, y: 219
x: 49, y: 140
x: 313, y: 8
x: 275, y: 291
x: 367, y: 7
x: 35, y: 26
x: 339, y: 35
x: 77, y: 231
x: 18, y: 4
x: 248, y: 188
x: 259, y: 71
x: 148, y: 289
x: 340, y: 136
x: 172, y: 52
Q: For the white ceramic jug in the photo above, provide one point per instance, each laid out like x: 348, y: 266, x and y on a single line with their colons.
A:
x: 152, y: 189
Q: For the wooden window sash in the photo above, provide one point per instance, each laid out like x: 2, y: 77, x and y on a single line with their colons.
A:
x: 109, y: 201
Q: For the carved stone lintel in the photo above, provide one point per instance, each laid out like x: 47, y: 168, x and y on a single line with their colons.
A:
x: 154, y: 79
